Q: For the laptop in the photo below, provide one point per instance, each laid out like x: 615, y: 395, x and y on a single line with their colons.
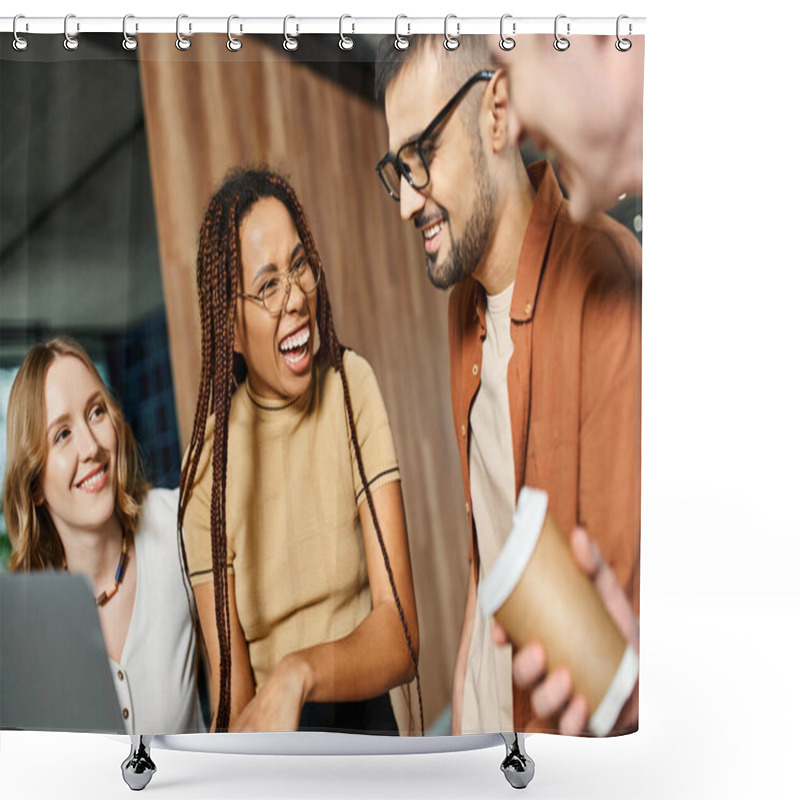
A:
x: 54, y: 671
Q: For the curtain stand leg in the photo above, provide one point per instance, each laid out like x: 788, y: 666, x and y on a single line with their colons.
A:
x: 138, y: 768
x: 517, y: 766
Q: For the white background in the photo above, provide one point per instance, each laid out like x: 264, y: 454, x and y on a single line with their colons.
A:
x: 720, y: 544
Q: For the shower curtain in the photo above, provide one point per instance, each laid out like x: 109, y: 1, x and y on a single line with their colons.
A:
x: 466, y: 270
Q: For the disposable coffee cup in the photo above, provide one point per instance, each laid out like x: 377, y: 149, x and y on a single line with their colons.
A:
x: 537, y: 592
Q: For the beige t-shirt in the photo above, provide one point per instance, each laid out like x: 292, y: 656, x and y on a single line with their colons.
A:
x: 488, y: 697
x: 293, y: 489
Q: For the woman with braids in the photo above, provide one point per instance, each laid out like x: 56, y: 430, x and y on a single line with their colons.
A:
x: 75, y: 499
x: 290, y: 502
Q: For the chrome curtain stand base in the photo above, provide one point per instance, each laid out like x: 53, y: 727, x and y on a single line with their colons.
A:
x: 138, y: 768
x: 517, y: 766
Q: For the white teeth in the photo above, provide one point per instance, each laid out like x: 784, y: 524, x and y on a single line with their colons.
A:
x: 299, y: 339
x: 429, y: 233
x: 90, y: 483
x: 294, y: 359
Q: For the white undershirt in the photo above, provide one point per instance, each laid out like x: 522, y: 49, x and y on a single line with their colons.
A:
x: 488, y: 698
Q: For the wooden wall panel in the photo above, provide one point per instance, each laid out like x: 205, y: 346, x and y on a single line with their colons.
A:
x: 208, y: 110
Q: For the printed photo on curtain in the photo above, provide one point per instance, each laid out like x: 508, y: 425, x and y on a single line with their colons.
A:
x: 321, y: 384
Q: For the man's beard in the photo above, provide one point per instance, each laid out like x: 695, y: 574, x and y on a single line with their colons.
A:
x: 467, y: 251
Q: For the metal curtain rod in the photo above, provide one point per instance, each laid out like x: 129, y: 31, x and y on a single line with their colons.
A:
x: 333, y: 25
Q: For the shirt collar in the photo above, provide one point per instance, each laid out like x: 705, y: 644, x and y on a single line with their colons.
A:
x: 281, y: 408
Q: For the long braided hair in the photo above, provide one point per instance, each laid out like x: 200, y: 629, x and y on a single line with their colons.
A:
x: 218, y: 274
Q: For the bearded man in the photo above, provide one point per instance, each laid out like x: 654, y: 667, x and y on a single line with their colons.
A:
x: 545, y: 359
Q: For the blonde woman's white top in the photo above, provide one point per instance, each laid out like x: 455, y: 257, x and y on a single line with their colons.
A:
x: 155, y: 678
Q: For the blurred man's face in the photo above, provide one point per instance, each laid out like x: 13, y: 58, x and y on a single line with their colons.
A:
x: 454, y: 213
x: 572, y: 107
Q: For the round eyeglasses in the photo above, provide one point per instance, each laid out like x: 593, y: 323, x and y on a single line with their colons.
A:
x: 274, y: 294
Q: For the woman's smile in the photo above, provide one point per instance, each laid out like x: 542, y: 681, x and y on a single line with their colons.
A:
x: 95, y: 480
x: 295, y: 349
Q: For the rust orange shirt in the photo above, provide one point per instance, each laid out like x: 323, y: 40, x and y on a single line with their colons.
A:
x: 574, y: 380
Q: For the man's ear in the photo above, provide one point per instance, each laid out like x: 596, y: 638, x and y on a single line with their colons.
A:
x: 503, y: 121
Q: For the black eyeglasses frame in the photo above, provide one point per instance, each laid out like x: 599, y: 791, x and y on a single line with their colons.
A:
x: 390, y: 159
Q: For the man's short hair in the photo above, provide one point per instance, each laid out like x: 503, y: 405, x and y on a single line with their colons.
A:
x: 472, y: 55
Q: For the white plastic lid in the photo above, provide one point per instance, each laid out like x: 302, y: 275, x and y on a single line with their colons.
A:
x: 618, y: 692
x: 501, y: 579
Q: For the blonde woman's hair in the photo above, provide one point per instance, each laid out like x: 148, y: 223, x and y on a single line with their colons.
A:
x: 35, y: 540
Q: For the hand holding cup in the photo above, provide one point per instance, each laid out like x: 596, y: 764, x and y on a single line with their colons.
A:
x: 551, y: 693
x: 563, y: 608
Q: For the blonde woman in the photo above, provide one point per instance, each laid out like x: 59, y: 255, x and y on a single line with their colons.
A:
x: 75, y: 499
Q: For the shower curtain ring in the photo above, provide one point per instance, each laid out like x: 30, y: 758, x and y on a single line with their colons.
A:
x: 233, y: 44
x: 20, y: 42
x: 451, y: 42
x: 400, y: 42
x: 70, y: 42
x: 345, y: 42
x: 128, y: 42
x: 182, y: 43
x: 506, y: 42
x: 561, y: 44
x: 289, y: 42
x: 623, y: 45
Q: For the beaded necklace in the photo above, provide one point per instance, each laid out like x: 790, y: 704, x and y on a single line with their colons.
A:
x: 105, y: 596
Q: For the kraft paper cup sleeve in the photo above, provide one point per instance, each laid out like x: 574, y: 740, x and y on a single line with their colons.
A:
x: 501, y: 579
x: 619, y: 691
